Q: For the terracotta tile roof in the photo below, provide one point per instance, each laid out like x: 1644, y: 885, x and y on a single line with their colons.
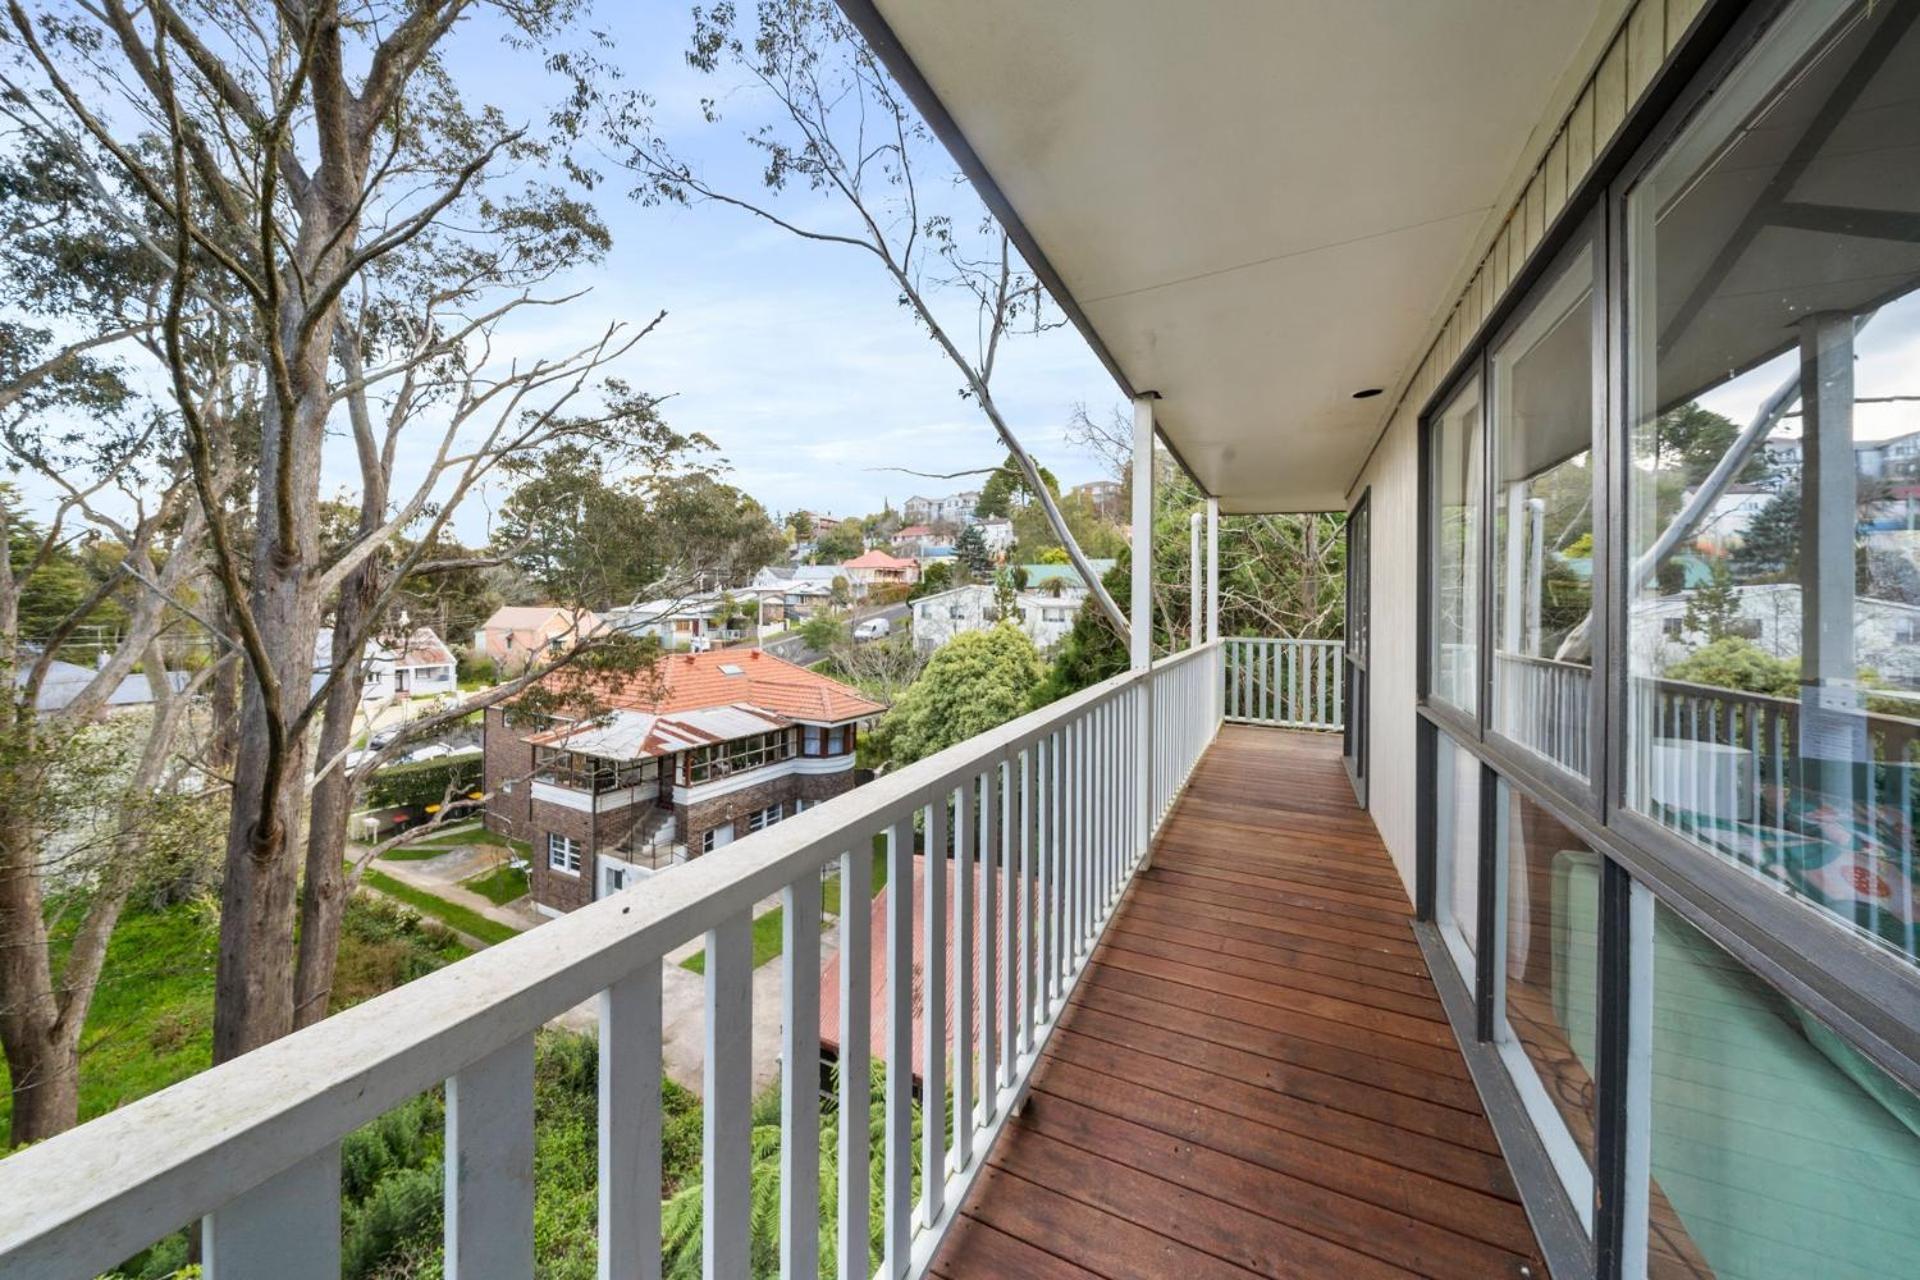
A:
x: 878, y: 560
x: 682, y: 682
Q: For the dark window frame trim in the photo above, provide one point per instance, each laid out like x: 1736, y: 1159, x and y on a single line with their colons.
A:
x: 1589, y: 232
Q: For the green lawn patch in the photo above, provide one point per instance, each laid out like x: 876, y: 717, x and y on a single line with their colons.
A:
x: 501, y: 885
x: 451, y: 914
x: 435, y: 845
x: 151, y: 1022
x: 768, y: 930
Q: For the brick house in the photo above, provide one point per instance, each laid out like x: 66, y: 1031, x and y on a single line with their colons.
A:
x: 703, y: 749
x: 516, y: 635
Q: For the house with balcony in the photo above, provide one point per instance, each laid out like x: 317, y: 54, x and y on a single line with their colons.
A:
x: 876, y: 569
x: 685, y: 757
x: 414, y: 664
x: 1481, y: 942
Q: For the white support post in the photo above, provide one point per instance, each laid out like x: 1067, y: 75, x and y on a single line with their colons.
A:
x: 1196, y: 590
x: 489, y: 1183
x: 630, y: 1126
x: 1832, y: 730
x: 1213, y: 569
x: 287, y: 1226
x: 1140, y: 624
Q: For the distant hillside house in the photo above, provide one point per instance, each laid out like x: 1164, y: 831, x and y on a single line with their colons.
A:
x: 689, y: 756
x: 517, y: 634
x: 418, y: 665
x: 878, y: 569
x: 955, y: 508
x: 1104, y: 496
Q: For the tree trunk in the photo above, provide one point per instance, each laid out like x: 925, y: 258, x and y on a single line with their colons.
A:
x: 324, y: 902
x: 44, y: 1082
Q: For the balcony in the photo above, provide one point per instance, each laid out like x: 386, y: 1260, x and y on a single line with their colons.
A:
x: 1226, y: 1057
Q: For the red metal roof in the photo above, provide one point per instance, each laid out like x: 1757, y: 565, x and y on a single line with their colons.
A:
x: 877, y: 995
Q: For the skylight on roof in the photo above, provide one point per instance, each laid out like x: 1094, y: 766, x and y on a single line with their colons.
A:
x: 731, y: 669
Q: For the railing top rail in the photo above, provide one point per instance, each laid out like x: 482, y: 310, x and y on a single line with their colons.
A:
x: 1281, y: 640
x: 112, y: 1186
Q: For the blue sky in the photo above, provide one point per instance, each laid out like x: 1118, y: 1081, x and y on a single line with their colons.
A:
x: 793, y: 356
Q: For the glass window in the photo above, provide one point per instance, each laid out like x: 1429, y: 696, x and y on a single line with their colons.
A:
x: 563, y: 854
x: 1777, y: 1152
x: 1457, y: 849
x: 1542, y: 379
x: 1774, y: 258
x: 1454, y: 629
x: 811, y: 738
x: 1550, y: 967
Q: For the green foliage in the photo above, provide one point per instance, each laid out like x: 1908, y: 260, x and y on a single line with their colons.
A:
x: 973, y: 683
x: 1053, y: 555
x: 425, y: 782
x: 1770, y: 544
x: 971, y: 550
x: 151, y: 1023
x: 842, y: 542
x: 934, y: 579
x: 1033, y: 534
x: 1090, y: 651
x: 1714, y: 606
x: 1735, y: 663
x: 821, y: 633
x: 452, y: 914
x: 476, y: 670
x: 1007, y: 482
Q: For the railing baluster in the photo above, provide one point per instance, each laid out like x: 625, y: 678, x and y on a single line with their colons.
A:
x: 1029, y: 785
x: 896, y: 1219
x: 1009, y: 905
x: 966, y: 826
x: 629, y: 1084
x: 727, y: 1155
x: 933, y: 1021
x: 1044, y: 809
x: 856, y: 1038
x: 989, y: 945
x: 799, y: 1080
x: 489, y: 1184
x: 288, y: 1226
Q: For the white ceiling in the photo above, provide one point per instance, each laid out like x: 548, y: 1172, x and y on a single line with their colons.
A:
x: 1261, y: 206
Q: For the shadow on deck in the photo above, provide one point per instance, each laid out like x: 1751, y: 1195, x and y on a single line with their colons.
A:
x: 1255, y: 1075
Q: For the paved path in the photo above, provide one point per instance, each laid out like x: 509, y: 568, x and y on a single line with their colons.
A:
x: 442, y: 877
x: 683, y: 1012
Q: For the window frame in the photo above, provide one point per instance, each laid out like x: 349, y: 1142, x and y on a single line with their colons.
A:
x: 1866, y: 995
x: 571, y: 853
x: 1585, y: 234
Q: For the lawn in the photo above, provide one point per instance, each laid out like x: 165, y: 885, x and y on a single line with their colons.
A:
x: 151, y: 1022
x: 501, y: 885
x: 768, y: 933
x: 435, y: 845
x: 451, y: 914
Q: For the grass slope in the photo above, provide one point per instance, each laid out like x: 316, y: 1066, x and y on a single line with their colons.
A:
x: 451, y: 914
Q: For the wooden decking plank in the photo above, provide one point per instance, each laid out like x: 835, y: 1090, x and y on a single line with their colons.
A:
x: 1252, y: 1241
x: 1255, y: 1074
x: 1253, y: 1101
x: 1393, y: 1237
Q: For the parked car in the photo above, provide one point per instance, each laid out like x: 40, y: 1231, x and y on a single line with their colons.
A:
x: 873, y: 629
x: 431, y: 751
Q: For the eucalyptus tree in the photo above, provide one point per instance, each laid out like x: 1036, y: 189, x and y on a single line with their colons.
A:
x: 822, y: 116
x: 313, y: 177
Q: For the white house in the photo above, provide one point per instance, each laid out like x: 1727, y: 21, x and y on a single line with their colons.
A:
x: 938, y: 618
x: 418, y: 665
x: 955, y: 508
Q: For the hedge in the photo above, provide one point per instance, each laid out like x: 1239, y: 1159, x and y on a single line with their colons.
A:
x: 425, y: 782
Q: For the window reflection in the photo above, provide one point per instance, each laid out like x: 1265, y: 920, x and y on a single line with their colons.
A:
x: 1543, y: 534
x: 1774, y: 490
x: 1457, y: 849
x: 1552, y: 982
x: 1777, y: 1151
x: 1454, y: 458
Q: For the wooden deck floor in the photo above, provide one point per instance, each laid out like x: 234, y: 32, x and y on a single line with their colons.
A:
x: 1255, y: 1076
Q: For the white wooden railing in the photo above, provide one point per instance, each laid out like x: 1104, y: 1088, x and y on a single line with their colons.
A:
x: 1295, y: 684
x: 1050, y: 814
